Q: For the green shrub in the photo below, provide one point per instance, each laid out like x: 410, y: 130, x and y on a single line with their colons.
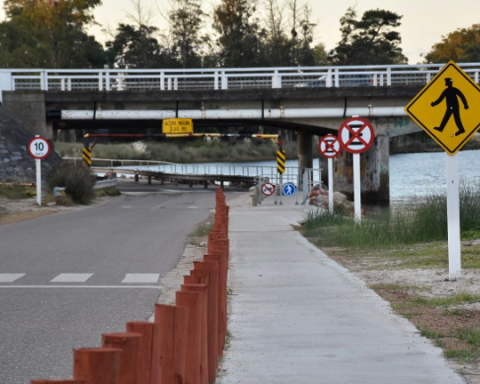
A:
x: 76, y: 179
x: 426, y: 221
x: 16, y: 191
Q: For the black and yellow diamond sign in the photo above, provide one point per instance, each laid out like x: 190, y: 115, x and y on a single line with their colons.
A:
x: 447, y: 108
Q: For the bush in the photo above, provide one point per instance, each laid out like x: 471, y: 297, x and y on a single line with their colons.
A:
x: 425, y: 221
x: 77, y: 180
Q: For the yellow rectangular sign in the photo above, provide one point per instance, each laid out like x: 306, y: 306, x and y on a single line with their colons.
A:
x: 174, y: 126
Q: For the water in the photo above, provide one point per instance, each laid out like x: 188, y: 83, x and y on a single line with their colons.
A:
x: 415, y: 175
x: 412, y: 175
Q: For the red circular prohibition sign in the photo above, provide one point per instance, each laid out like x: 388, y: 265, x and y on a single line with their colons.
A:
x: 356, y: 135
x: 329, y: 146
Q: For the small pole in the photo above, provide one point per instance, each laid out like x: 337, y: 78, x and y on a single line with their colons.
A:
x: 38, y: 168
x: 453, y: 217
x: 330, y: 185
x: 357, y: 195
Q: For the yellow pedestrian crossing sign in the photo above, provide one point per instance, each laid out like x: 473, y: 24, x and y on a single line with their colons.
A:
x: 447, y: 108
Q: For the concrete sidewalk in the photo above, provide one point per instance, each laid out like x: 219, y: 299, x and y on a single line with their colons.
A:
x: 298, y: 317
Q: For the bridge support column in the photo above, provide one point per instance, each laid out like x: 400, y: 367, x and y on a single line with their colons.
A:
x: 375, y: 177
x: 305, y: 155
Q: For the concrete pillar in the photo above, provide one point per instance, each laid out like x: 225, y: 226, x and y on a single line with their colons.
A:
x: 375, y: 177
x: 305, y: 154
x: 29, y: 107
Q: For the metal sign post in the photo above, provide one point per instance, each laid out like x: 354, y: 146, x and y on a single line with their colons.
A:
x: 356, y: 136
x: 447, y: 109
x: 39, y: 148
x: 453, y: 217
x: 357, y: 188
x: 329, y: 147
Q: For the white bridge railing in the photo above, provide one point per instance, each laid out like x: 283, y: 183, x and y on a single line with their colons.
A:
x: 220, y: 78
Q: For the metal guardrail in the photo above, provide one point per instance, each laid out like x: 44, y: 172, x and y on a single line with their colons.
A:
x: 197, y: 171
x: 220, y: 78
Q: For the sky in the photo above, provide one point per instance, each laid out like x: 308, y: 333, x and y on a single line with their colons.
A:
x: 424, y: 22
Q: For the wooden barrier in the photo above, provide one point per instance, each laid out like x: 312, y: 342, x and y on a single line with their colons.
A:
x: 97, y: 365
x: 127, y: 342
x: 170, y: 344
x: 144, y: 352
x: 184, y: 343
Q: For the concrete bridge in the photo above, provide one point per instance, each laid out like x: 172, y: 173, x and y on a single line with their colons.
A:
x: 311, y: 101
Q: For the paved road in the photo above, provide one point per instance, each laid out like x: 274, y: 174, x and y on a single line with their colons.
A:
x: 69, y: 277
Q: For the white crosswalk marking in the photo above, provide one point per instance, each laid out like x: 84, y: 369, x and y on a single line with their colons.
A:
x: 72, y: 278
x: 10, y: 277
x: 141, y: 278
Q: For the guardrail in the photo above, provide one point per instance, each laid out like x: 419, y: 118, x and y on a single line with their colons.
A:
x: 220, y: 78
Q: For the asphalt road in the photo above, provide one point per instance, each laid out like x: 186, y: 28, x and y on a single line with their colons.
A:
x: 67, y: 278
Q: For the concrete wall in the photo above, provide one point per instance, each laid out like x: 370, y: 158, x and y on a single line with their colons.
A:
x: 29, y: 108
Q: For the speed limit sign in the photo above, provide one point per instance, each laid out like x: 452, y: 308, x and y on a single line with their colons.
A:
x: 39, y: 148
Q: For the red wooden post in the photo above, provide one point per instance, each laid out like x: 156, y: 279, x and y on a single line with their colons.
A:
x: 191, y: 300
x: 144, y: 353
x: 128, y: 344
x: 97, y: 365
x: 169, y: 344
x: 210, y: 270
x: 59, y: 381
x: 203, y: 301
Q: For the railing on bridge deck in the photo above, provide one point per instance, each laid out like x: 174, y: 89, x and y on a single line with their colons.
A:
x: 258, y: 173
x: 221, y: 78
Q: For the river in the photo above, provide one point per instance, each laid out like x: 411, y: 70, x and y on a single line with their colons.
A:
x: 412, y: 175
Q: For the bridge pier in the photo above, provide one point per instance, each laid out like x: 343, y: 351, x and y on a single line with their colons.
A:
x: 305, y: 154
x: 374, y: 164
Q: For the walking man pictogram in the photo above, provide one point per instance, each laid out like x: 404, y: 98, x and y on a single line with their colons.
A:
x: 453, y: 107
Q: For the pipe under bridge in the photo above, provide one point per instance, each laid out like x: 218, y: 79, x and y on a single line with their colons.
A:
x: 312, y: 101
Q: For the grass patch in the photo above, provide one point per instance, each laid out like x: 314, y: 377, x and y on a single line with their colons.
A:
x: 203, y: 229
x: 17, y: 191
x: 424, y: 222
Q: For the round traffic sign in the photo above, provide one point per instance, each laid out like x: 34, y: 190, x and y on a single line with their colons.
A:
x: 356, y: 135
x: 329, y: 146
x: 289, y: 189
x: 39, y: 148
x: 268, y: 189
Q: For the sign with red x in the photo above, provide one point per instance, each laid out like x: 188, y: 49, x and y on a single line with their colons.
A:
x: 356, y: 135
x: 329, y: 146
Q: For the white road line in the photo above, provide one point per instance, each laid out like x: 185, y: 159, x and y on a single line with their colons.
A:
x: 72, y: 278
x: 142, y: 278
x: 10, y: 277
x: 82, y: 286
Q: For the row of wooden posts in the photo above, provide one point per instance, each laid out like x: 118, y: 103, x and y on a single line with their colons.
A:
x: 184, y: 343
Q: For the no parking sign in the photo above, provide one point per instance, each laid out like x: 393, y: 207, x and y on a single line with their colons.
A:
x: 356, y: 135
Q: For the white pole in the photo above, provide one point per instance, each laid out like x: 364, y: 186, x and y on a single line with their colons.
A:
x: 280, y: 189
x: 38, y: 168
x: 330, y: 185
x: 453, y: 217
x: 357, y: 188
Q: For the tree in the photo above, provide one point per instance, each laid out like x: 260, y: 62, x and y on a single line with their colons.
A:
x: 48, y: 33
x: 186, y: 19
x: 241, y: 40
x: 462, y: 45
x: 370, y: 40
x: 136, y: 47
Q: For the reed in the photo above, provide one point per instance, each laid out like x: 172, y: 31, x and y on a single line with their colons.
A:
x: 423, y: 222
